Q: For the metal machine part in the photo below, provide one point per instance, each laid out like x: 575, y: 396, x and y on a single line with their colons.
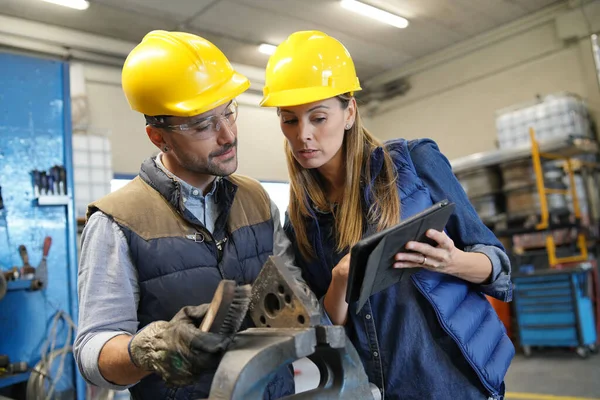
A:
x: 257, y: 353
x: 278, y: 301
x: 288, y: 319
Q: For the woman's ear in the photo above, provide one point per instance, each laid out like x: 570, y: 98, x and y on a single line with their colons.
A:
x: 350, y: 113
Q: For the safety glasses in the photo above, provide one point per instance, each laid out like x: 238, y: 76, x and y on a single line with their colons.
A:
x: 202, y: 128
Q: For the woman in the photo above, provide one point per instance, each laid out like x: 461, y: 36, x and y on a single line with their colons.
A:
x: 433, y: 335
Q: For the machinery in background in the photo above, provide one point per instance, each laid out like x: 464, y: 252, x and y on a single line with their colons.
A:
x: 538, y: 193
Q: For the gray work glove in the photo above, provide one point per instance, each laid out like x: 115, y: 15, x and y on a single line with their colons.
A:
x: 178, y: 350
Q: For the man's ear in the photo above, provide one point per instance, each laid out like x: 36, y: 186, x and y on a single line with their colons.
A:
x: 156, y: 137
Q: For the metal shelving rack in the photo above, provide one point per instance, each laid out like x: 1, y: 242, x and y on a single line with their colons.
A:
x: 544, y: 225
x: 565, y: 150
x: 565, y: 147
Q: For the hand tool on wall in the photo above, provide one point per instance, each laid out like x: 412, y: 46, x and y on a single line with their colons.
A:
x: 44, y: 183
x: 27, y: 271
x: 55, y: 174
x: 37, y: 183
x: 51, y: 182
x: 62, y: 173
x: 12, y: 274
x: 41, y: 272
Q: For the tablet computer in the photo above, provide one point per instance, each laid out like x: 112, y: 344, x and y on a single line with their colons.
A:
x: 372, y: 258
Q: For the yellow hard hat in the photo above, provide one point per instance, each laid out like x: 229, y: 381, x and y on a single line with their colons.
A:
x: 179, y: 74
x: 308, y: 66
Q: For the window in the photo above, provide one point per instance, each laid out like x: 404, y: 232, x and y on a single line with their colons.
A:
x: 279, y: 192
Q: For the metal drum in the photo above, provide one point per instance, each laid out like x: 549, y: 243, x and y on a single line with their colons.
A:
x: 520, y: 188
x: 480, y: 182
x: 526, y: 201
x: 486, y: 207
x: 521, y: 174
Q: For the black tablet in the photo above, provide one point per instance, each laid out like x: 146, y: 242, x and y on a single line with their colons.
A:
x: 372, y: 258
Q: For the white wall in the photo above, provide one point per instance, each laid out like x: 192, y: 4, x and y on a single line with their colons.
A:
x: 259, y: 136
x: 455, y: 102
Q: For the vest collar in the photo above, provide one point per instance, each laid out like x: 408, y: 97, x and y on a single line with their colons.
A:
x: 171, y: 188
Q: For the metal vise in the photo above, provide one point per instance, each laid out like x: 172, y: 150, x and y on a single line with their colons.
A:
x: 288, y: 320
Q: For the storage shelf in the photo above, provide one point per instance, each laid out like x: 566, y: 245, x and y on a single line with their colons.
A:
x: 566, y: 147
x: 533, y: 229
x: 51, y: 200
x: 12, y: 379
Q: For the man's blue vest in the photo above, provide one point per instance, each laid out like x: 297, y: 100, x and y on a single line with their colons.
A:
x: 180, y: 263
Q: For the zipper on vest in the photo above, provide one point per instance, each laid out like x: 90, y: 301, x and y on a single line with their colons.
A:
x: 491, y: 390
x: 199, y: 237
x: 219, y: 245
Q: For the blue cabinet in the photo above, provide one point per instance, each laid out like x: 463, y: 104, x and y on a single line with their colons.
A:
x: 35, y: 133
x: 554, y: 308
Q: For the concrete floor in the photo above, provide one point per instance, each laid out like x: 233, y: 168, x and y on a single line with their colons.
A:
x: 547, y: 375
x: 558, y: 373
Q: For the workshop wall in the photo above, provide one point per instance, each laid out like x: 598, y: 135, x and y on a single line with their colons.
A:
x: 455, y: 102
x: 35, y: 133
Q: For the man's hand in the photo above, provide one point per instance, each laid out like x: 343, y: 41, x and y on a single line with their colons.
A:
x: 178, y: 350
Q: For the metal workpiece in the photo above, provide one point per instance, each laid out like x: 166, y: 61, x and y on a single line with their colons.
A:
x: 278, y: 301
x: 255, y: 354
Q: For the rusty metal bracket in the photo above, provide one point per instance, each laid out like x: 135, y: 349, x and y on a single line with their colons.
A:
x: 287, y: 316
x: 278, y: 301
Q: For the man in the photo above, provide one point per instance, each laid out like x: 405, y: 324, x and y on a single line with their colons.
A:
x: 154, y: 251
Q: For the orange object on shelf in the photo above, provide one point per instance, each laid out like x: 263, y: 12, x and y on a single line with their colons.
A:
x: 503, y: 311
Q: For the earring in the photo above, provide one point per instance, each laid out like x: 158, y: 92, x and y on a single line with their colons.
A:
x: 166, y: 148
x: 348, y: 126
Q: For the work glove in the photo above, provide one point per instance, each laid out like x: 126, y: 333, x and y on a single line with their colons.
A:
x: 178, y: 350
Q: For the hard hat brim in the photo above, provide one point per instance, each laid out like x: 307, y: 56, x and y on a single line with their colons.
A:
x: 296, y: 97
x: 237, y: 85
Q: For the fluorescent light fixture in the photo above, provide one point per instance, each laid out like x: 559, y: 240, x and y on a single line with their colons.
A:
x: 375, y: 13
x: 76, y: 4
x: 267, y: 49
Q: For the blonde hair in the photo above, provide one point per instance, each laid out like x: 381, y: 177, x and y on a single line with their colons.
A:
x: 306, y: 186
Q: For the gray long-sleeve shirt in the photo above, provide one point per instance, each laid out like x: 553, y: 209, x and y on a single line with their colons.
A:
x: 108, y: 280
